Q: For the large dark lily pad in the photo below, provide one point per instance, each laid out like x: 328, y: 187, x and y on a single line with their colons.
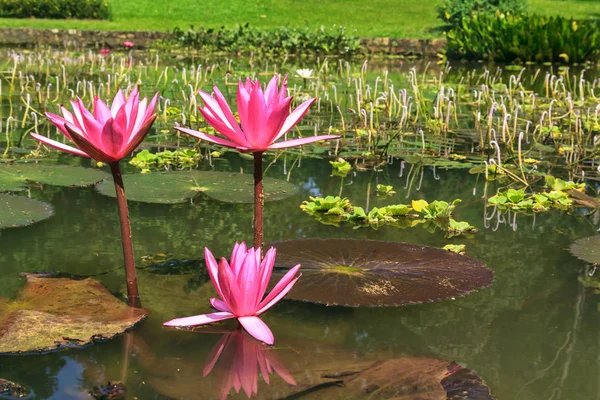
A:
x: 587, y: 249
x: 180, y: 186
x: 397, y: 378
x: 55, y: 313
x: 14, y: 177
x: 21, y: 211
x: 377, y: 273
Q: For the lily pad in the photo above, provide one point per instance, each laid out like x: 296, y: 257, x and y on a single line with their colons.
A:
x: 53, y: 313
x: 180, y: 186
x: 14, y: 177
x: 22, y: 211
x: 376, y: 273
x: 587, y: 249
x: 398, y: 378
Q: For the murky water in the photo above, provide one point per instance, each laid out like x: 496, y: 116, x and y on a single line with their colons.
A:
x: 532, y: 335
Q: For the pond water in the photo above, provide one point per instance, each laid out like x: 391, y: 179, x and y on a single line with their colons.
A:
x: 532, y: 335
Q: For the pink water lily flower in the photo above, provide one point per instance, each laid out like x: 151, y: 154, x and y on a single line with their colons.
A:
x: 241, y: 285
x: 264, y: 117
x: 107, y: 135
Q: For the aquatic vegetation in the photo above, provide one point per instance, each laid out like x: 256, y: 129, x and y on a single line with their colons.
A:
x: 13, y: 390
x: 437, y: 209
x: 455, y: 248
x: 454, y: 11
x: 21, y: 211
x: 18, y: 176
x: 356, y: 273
x: 285, y: 40
x: 240, y: 359
x: 340, y: 167
x: 164, y: 160
x: 264, y: 118
x: 384, y: 190
x: 108, y: 135
x: 587, y: 249
x: 524, y: 38
x: 182, y: 186
x: 333, y: 210
x: 82, y: 311
x: 241, y: 285
x: 559, y: 197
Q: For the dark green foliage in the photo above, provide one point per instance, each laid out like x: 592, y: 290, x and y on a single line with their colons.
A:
x: 536, y: 38
x: 55, y: 9
x: 453, y: 11
x: 285, y: 40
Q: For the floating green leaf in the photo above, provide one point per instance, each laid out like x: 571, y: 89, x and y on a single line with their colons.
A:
x: 587, y: 249
x: 377, y: 273
x: 14, y: 177
x: 21, y: 211
x: 180, y: 186
x: 52, y: 313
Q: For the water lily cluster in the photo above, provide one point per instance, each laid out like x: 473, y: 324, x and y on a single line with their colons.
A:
x: 108, y: 134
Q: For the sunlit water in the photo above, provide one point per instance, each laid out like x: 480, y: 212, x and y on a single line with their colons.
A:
x: 532, y: 335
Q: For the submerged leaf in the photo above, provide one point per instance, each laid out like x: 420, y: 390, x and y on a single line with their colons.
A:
x: 14, y: 177
x: 21, y: 211
x: 54, y: 313
x: 587, y: 249
x: 377, y: 273
x: 180, y: 186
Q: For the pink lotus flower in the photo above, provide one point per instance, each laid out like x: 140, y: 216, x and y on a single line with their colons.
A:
x: 241, y: 358
x: 241, y: 284
x: 104, y: 51
x: 128, y: 44
x: 108, y: 135
x: 264, y: 118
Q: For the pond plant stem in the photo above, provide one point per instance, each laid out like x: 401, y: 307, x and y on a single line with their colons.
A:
x: 259, y: 200
x: 133, y: 297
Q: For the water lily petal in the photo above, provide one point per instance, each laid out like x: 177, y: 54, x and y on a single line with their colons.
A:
x: 282, y: 287
x: 248, y: 283
x: 213, y: 270
x: 199, y: 319
x: 294, y: 118
x: 301, y: 141
x: 86, y: 146
x: 117, y: 103
x: 220, y: 305
x: 210, y: 138
x: 257, y: 329
x: 101, y: 111
x: 59, y: 146
x: 59, y: 122
x: 257, y: 118
x: 266, y: 269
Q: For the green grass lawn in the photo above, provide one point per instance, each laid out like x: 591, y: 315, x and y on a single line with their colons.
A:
x: 394, y: 18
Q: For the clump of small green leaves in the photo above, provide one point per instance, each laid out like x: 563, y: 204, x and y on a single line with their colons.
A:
x: 330, y: 210
x: 384, y: 190
x: 455, y: 248
x: 557, y: 198
x: 179, y: 159
x: 436, y: 209
x: 340, y: 167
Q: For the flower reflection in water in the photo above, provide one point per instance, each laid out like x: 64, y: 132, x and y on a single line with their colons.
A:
x: 239, y: 359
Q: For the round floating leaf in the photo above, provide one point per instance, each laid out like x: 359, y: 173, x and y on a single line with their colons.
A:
x: 21, y: 211
x: 377, y: 273
x: 397, y: 378
x: 14, y: 177
x: 180, y: 186
x: 587, y: 249
x: 55, y: 313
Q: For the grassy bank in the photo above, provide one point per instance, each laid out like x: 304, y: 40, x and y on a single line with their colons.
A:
x: 392, y: 18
